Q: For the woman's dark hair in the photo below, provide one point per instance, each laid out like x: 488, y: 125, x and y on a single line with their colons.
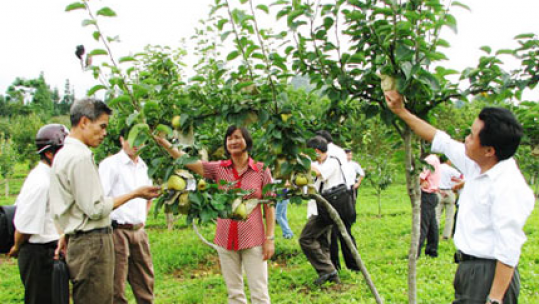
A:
x: 318, y: 142
x: 501, y: 130
x: 246, y: 136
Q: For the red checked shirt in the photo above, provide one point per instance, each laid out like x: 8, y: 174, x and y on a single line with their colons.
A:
x: 238, y: 235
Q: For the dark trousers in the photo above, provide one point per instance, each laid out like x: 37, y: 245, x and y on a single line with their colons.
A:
x: 35, y: 267
x: 90, y: 259
x: 314, y: 241
x: 337, y: 237
x: 473, y: 281
x: 429, y: 224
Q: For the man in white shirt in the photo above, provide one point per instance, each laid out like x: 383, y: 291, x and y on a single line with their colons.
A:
x: 36, y: 238
x: 447, y: 195
x: 493, y: 207
x: 122, y: 173
x: 354, y: 173
x: 333, y: 150
x: 314, y: 239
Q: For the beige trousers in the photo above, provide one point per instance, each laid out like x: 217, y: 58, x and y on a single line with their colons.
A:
x: 446, y: 201
x: 256, y: 270
x: 133, y: 264
x: 90, y: 259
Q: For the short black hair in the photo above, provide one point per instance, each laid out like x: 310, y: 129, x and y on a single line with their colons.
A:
x: 347, y: 151
x: 318, y: 142
x: 501, y: 130
x: 88, y: 107
x: 246, y: 136
x: 325, y: 134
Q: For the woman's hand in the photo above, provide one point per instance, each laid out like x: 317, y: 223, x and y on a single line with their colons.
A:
x: 163, y: 142
x: 268, y: 249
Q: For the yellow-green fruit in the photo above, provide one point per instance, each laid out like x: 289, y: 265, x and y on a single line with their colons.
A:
x: 241, y: 211
x: 176, y: 183
x: 184, y: 203
x: 184, y: 199
x: 285, y: 117
x: 164, y: 187
x: 202, y: 185
x: 301, y: 180
x: 176, y: 122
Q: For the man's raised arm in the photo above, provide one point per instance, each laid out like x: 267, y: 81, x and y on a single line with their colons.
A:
x: 420, y: 127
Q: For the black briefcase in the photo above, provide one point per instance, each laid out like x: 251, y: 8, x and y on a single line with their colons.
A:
x: 60, y: 282
x: 7, y: 229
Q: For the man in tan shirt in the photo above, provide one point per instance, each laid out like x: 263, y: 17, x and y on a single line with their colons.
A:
x: 80, y: 209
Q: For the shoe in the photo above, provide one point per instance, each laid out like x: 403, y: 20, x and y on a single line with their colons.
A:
x: 328, y: 277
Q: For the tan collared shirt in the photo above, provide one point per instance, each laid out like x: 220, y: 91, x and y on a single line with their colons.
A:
x: 76, y: 194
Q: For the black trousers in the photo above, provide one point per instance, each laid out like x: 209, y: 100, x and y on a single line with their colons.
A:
x: 429, y: 224
x: 314, y: 241
x: 473, y: 281
x: 337, y: 237
x: 35, y: 267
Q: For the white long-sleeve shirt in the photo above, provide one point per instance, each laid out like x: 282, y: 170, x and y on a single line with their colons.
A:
x: 493, y: 206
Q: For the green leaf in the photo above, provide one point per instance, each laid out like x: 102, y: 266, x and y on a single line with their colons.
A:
x: 164, y: 129
x: 525, y: 36
x: 87, y: 22
x: 505, y: 51
x: 451, y: 22
x: 96, y: 35
x: 106, y: 11
x: 456, y: 3
x: 118, y: 100
x: 75, y: 6
x: 126, y: 59
x: 221, y: 23
x: 293, y: 15
x: 197, y: 78
x: 357, y: 58
x: 225, y: 35
x: 136, y: 133
x: 486, y: 49
x: 263, y: 7
x: 232, y: 55
x: 95, y: 88
x: 97, y: 52
x: 328, y: 22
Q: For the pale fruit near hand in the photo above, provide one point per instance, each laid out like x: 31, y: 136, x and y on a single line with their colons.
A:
x: 184, y: 199
x: 241, y: 211
x: 176, y: 183
x: 388, y: 83
x: 176, y: 122
x: 301, y: 180
x: 202, y: 185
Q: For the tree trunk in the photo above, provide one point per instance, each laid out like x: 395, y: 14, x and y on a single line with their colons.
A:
x: 342, y: 229
x: 170, y: 221
x: 380, y: 204
x: 412, y: 185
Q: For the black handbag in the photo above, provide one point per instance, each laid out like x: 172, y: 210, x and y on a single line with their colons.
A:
x: 60, y: 282
x: 7, y: 229
x: 340, y: 197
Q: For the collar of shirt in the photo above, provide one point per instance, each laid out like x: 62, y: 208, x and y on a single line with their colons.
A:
x: 126, y: 160
x: 251, y: 163
x: 76, y: 142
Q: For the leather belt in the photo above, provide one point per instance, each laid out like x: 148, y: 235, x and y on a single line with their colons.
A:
x: 463, y: 257
x: 103, y: 230
x: 127, y: 226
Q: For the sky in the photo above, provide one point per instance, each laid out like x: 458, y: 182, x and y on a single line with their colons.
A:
x: 39, y: 36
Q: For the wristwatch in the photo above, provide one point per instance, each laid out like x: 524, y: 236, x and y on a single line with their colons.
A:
x: 493, y: 301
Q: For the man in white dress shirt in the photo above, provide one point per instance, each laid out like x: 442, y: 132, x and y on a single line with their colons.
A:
x: 493, y: 207
x: 122, y: 173
x: 36, y: 238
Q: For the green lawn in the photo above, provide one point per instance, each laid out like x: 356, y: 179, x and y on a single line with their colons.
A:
x: 187, y: 271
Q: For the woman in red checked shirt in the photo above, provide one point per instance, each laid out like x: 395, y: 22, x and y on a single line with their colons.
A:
x: 248, y: 244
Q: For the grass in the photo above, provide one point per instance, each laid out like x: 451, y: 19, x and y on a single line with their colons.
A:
x: 188, y: 271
